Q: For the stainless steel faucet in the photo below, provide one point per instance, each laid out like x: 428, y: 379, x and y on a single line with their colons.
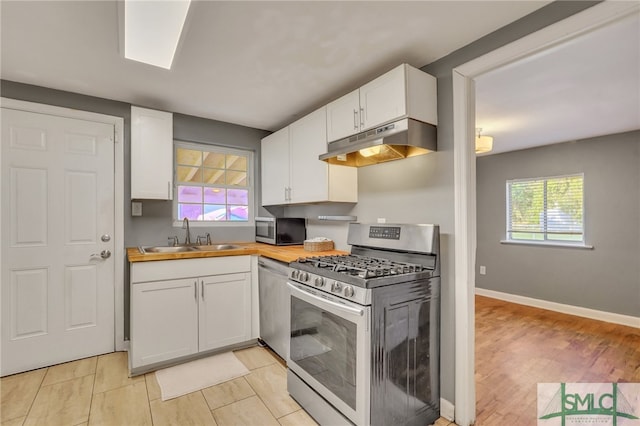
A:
x: 206, y: 238
x: 185, y: 225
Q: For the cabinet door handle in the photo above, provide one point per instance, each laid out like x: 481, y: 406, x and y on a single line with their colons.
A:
x: 169, y: 189
x: 361, y: 117
x: 202, y: 289
x: 195, y: 290
x: 355, y: 119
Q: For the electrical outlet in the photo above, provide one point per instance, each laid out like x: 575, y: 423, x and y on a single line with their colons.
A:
x: 136, y: 208
x: 483, y: 270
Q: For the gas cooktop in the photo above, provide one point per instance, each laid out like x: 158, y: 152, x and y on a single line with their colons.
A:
x: 362, y: 266
x: 380, y: 255
x: 363, y: 271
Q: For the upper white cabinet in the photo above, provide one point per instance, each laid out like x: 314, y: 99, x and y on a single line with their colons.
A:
x: 292, y: 172
x: 151, y: 154
x: 275, y: 167
x: 343, y: 116
x: 404, y: 91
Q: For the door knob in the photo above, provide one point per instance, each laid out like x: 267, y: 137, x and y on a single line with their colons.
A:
x: 105, y: 254
x: 106, y: 238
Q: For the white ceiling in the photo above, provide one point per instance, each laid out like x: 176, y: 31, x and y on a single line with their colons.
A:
x: 263, y: 64
x: 585, y: 87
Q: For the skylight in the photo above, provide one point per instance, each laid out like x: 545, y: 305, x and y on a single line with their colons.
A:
x: 152, y: 30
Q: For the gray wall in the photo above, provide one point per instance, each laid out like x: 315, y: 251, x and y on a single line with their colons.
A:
x: 606, y: 278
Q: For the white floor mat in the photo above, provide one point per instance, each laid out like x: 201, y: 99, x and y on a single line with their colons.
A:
x: 202, y: 373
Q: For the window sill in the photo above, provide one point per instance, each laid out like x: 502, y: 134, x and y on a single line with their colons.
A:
x: 547, y: 244
x: 212, y: 224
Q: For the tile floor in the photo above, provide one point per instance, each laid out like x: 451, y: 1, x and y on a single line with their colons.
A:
x: 98, y: 391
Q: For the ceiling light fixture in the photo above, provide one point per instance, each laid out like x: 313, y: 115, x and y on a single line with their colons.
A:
x: 483, y: 143
x: 152, y: 30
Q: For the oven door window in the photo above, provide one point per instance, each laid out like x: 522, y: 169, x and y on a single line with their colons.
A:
x: 324, y: 345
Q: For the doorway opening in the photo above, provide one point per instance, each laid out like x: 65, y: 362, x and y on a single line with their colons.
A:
x: 465, y: 178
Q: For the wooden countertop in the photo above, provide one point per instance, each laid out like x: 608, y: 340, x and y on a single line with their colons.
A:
x: 282, y: 253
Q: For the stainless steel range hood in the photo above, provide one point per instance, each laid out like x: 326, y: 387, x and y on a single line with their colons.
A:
x: 400, y: 139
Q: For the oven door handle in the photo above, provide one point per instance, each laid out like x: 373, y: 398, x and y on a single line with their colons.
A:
x: 339, y: 306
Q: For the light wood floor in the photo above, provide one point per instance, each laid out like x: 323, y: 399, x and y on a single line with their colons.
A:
x: 518, y: 347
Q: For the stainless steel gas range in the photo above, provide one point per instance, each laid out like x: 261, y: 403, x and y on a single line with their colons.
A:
x: 365, y: 329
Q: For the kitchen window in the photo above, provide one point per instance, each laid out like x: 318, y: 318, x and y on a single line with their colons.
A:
x: 546, y: 210
x: 213, y: 184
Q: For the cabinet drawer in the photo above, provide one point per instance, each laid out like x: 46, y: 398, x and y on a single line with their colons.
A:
x: 186, y: 268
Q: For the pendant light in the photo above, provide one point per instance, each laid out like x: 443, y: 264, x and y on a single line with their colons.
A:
x: 483, y: 143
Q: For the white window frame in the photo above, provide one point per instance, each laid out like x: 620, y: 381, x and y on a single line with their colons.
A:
x: 545, y: 242
x: 250, y: 184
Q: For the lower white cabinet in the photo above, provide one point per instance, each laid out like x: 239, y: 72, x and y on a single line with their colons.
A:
x: 225, y: 310
x: 164, y: 321
x: 202, y: 305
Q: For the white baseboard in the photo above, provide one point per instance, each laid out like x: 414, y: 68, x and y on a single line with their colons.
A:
x: 562, y: 308
x: 447, y: 409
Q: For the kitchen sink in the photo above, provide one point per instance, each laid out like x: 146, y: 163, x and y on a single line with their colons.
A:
x: 185, y: 249
x: 167, y: 249
x: 216, y: 247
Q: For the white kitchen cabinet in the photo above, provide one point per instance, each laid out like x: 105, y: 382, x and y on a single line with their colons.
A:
x: 164, y: 319
x: 404, y: 91
x: 343, y: 116
x: 292, y: 172
x: 151, y: 154
x: 225, y: 310
x: 274, y: 154
x: 182, y: 307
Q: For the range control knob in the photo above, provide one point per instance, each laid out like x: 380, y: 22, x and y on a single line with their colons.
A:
x: 336, y: 287
x: 294, y: 274
x: 304, y: 276
x: 319, y: 282
x: 348, y: 291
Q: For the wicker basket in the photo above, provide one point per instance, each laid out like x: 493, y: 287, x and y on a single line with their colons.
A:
x: 318, y: 245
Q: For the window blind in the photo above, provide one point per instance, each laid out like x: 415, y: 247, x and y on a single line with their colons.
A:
x: 546, y: 209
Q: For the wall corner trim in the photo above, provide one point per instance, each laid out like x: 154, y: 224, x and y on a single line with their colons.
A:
x: 627, y: 320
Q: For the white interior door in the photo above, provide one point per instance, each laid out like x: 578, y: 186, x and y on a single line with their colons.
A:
x: 57, y: 218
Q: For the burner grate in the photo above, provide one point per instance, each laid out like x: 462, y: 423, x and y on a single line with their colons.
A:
x: 361, y: 266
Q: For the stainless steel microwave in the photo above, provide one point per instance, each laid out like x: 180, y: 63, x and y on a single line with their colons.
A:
x: 281, y: 231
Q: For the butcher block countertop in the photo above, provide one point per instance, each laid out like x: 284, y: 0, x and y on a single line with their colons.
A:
x: 282, y: 253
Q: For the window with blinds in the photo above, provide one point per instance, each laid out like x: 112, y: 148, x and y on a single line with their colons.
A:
x: 546, y: 209
x: 213, y: 183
